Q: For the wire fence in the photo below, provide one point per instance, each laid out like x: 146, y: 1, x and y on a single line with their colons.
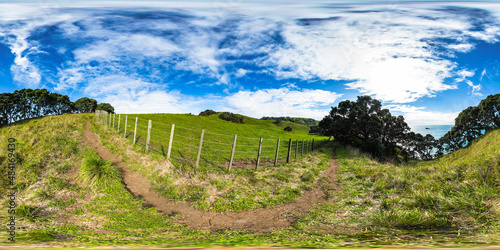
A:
x: 197, y: 148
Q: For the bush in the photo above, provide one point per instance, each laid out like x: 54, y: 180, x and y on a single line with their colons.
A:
x: 314, y: 130
x: 227, y: 116
x: 97, y: 172
x: 288, y: 129
x: 207, y: 112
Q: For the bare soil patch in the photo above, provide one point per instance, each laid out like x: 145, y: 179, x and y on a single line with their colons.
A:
x: 259, y: 220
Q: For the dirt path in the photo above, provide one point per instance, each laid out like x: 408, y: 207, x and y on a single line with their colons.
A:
x: 258, y: 220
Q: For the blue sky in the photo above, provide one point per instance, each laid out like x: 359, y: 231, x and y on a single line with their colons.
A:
x: 426, y: 60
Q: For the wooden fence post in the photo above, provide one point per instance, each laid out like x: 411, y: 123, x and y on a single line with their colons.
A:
x: 232, y: 153
x: 135, y: 130
x: 119, y: 118
x: 302, y: 152
x: 277, y: 150
x: 170, y: 141
x: 312, y: 145
x: 258, y: 155
x: 149, y: 135
x: 289, y: 151
x: 199, y: 148
x: 307, y: 146
x: 114, y: 120
x: 125, y: 133
x: 296, y: 147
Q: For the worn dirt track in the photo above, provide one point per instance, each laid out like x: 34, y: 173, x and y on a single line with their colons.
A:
x: 258, y: 220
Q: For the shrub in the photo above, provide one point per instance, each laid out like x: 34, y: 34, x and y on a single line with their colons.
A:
x: 227, y: 116
x: 207, y: 112
x: 288, y: 129
x: 97, y: 172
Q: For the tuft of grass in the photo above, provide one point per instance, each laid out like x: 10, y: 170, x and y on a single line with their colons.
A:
x: 97, y: 172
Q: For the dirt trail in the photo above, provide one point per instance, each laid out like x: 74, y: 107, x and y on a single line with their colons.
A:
x: 258, y: 220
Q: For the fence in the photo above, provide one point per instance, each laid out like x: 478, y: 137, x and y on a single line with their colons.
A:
x: 203, y: 148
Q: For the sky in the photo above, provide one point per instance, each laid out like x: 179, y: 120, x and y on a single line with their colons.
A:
x: 425, y: 60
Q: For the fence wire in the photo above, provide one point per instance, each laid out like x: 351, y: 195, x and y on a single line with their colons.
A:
x: 216, y: 150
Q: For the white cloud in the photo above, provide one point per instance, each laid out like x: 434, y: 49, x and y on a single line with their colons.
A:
x: 417, y: 116
x: 152, y: 102
x: 394, y: 55
x: 282, y: 102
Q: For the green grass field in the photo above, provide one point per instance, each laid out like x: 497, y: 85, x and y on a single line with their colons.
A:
x: 453, y: 201
x: 218, y: 138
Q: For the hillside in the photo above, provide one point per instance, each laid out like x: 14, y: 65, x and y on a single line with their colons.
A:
x: 142, y: 199
x: 218, y: 138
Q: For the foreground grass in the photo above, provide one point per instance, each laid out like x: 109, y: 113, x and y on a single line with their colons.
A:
x: 376, y: 204
x: 220, y: 189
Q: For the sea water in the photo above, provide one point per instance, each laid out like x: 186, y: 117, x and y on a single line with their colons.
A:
x: 435, y: 130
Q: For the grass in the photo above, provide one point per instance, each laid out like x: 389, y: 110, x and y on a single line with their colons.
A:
x: 97, y: 172
x: 218, y: 138
x: 215, y: 189
x: 453, y: 201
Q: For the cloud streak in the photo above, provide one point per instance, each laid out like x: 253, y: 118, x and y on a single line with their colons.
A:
x: 242, y: 53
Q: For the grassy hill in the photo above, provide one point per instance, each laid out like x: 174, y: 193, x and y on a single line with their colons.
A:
x: 452, y: 201
x: 218, y: 138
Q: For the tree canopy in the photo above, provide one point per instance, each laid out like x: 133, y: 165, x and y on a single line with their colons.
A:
x: 364, y: 124
x: 31, y: 103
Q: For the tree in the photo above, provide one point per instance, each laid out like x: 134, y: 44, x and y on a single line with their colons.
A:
x: 288, y: 129
x: 489, y: 109
x: 59, y: 104
x: 106, y: 107
x: 7, y: 110
x: 228, y: 116
x: 207, y: 112
x: 365, y: 125
x: 85, y: 105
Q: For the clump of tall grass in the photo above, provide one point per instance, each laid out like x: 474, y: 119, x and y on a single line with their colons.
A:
x: 97, y: 172
x: 405, y: 218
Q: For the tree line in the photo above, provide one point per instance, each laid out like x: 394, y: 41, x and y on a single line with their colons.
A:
x: 304, y: 121
x: 32, y: 103
x: 365, y: 125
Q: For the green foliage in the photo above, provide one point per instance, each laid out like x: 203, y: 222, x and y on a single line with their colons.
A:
x: 97, y: 172
x: 85, y: 105
x: 207, y: 112
x: 228, y: 116
x: 106, y: 107
x: 288, y: 129
x: 364, y: 124
x: 303, y: 121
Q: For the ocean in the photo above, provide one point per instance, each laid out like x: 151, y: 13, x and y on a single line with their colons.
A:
x: 435, y: 130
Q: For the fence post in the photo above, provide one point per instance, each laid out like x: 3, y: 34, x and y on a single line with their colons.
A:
x: 170, y: 141
x: 302, y: 152
x: 289, y: 150
x: 149, y: 135
x: 125, y: 133
x: 296, y: 147
x: 135, y: 130
x: 307, y: 146
x: 199, y: 148
x: 119, y: 118
x: 114, y: 120
x: 232, y: 153
x: 277, y: 150
x: 258, y: 155
x: 312, y: 145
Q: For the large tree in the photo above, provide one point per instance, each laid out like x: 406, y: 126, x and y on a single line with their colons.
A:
x: 364, y: 124
x: 106, y: 107
x: 85, y: 105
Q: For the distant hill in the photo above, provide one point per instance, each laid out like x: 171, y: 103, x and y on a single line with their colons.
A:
x: 303, y: 121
